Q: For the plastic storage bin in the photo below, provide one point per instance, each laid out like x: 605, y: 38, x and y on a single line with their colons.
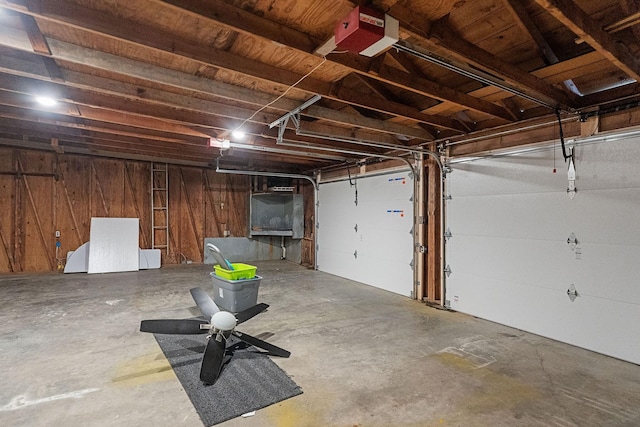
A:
x: 235, y: 295
x: 240, y: 271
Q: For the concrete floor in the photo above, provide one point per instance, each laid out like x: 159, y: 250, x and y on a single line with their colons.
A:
x: 71, y: 354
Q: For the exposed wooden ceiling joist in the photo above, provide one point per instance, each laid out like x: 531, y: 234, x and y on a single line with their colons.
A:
x: 239, y: 20
x: 100, y: 24
x: 571, y: 15
x: 175, y: 74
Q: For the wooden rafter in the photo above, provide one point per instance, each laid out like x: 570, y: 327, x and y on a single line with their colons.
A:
x: 227, y: 16
x: 574, y: 18
x: 110, y: 27
x: 80, y: 55
x: 40, y: 46
x: 529, y: 28
x: 203, y: 112
x: 513, y: 76
x: 437, y: 35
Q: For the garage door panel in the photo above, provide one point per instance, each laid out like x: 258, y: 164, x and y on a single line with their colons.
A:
x: 511, y: 261
x: 380, y: 252
x: 550, y: 313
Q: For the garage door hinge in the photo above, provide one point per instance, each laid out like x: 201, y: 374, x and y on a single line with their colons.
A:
x: 422, y: 220
x: 421, y: 248
x: 447, y: 234
x: 447, y: 270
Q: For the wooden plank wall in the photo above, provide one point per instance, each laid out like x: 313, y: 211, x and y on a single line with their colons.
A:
x: 308, y: 246
x: 434, y: 232
x: 41, y: 192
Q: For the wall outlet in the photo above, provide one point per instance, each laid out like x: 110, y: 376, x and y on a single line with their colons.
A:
x: 57, y: 233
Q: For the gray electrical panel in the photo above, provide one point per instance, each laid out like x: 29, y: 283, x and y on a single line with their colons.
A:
x: 277, y: 214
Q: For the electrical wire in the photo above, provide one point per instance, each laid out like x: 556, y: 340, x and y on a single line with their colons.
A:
x: 324, y: 59
x: 564, y: 151
x: 353, y: 184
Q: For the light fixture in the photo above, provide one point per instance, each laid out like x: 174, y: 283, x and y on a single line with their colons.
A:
x: 238, y: 134
x: 220, y: 142
x: 224, y: 321
x: 46, y: 101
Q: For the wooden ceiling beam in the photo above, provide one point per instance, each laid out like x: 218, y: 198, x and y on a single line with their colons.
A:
x: 40, y: 46
x: 72, y: 149
x: 16, y: 114
x: 574, y: 18
x: 437, y: 35
x: 66, y: 136
x: 145, y: 108
x: 529, y: 28
x: 66, y: 13
x: 222, y: 14
x: 88, y: 57
x: 514, y: 77
x: 400, y: 110
x: 106, y: 141
x: 631, y: 8
x: 120, y: 118
x: 215, y: 113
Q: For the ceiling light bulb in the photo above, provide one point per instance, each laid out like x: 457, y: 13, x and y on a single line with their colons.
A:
x: 46, y: 101
x: 226, y: 143
x: 237, y: 134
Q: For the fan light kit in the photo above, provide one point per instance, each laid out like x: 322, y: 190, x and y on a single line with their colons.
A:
x: 224, y: 321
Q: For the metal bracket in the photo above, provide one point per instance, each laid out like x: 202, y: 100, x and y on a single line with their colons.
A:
x: 355, y: 254
x: 356, y: 228
x: 572, y: 292
x: 447, y: 270
x: 571, y: 175
x: 421, y: 220
x: 448, y: 197
x: 422, y: 249
x: 572, y: 241
x: 294, y: 115
x: 447, y: 234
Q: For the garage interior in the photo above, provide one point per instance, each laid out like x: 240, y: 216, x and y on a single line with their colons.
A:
x: 440, y: 197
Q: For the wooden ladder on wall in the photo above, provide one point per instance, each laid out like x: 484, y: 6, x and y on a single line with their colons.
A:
x: 160, y: 206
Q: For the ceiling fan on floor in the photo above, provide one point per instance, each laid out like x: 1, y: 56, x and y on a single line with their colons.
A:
x: 219, y: 325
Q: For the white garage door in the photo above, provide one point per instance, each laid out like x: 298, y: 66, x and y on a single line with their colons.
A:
x: 370, y: 242
x: 512, y: 223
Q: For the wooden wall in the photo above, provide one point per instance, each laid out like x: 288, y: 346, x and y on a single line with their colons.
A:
x: 41, y: 192
x: 308, y: 241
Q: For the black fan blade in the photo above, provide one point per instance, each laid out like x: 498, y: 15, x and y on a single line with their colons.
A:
x: 247, y: 314
x: 173, y: 326
x: 272, y: 349
x: 212, y: 360
x: 204, y: 302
